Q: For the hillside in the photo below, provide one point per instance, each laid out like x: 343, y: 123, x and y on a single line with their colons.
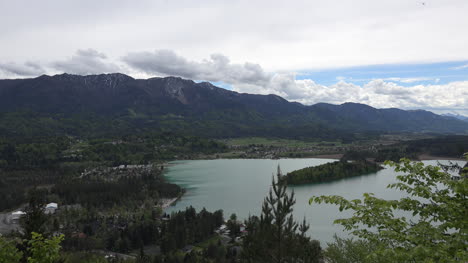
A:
x: 456, y: 116
x: 117, y: 103
x: 363, y: 117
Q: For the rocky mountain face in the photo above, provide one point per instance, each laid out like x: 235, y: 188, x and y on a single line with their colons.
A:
x: 153, y: 100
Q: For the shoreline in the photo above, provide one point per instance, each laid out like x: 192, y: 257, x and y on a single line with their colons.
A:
x: 167, y: 202
x: 337, y: 156
x: 327, y: 156
x: 427, y: 157
x: 165, y: 165
x: 164, y: 203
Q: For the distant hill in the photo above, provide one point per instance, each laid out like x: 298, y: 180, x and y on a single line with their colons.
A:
x: 363, y: 117
x: 456, y: 116
x: 117, y: 103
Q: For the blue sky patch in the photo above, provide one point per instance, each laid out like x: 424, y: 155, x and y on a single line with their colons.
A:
x: 403, y: 74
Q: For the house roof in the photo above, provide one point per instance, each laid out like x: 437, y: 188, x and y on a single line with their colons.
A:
x: 51, y: 205
x: 18, y: 213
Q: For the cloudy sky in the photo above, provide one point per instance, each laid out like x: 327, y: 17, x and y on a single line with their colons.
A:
x: 396, y: 53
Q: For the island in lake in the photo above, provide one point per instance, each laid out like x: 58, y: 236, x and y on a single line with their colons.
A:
x: 331, y: 172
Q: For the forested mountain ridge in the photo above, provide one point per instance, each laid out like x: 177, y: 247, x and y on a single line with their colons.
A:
x: 74, y: 104
x: 456, y: 116
x: 111, y: 93
x: 363, y: 117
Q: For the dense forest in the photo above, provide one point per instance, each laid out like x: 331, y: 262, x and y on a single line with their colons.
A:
x: 65, y: 167
x: 331, y: 172
x: 18, y: 152
x: 188, y: 227
x: 216, y: 124
x: 132, y: 232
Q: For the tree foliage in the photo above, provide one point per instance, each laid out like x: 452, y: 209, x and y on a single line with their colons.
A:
x: 40, y: 249
x: 429, y: 224
x: 44, y: 250
x: 275, y: 236
x: 331, y: 171
x: 349, y: 250
x: 8, y: 251
x: 189, y: 227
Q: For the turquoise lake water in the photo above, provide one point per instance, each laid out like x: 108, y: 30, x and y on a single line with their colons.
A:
x: 240, y: 185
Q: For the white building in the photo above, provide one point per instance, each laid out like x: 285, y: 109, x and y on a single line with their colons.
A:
x: 50, y: 208
x: 15, y: 216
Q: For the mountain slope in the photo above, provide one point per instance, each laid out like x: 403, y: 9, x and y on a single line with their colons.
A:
x: 363, y: 117
x: 118, y: 103
x: 456, y: 116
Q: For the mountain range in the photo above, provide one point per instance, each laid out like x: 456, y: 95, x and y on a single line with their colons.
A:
x: 117, y: 103
x: 456, y: 116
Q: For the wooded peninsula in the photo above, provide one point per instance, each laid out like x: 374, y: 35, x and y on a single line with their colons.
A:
x: 331, y: 172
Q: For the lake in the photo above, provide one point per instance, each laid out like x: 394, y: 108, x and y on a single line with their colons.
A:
x: 240, y: 185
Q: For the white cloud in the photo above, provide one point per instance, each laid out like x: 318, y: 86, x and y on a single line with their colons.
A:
x: 281, y: 35
x: 411, y: 80
x: 85, y: 62
x: 376, y: 93
x: 26, y: 69
x: 394, y: 79
x: 217, y: 68
x: 460, y: 67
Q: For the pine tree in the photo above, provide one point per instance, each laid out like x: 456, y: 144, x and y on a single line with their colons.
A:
x: 274, y: 236
x: 34, y: 219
